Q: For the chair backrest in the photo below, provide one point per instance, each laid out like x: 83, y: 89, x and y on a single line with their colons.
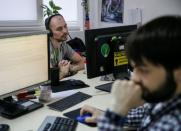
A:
x: 77, y: 44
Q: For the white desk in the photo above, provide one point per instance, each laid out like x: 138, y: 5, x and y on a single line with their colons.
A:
x: 31, y: 121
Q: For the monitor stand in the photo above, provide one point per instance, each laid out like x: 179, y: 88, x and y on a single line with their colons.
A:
x: 122, y: 76
x: 115, y: 76
x: 109, y: 77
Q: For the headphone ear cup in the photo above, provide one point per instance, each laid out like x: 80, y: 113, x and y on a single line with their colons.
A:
x: 47, y: 24
x: 47, y: 20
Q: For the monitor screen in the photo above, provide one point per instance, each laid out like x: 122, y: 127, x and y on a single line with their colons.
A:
x: 24, y: 62
x: 105, y: 53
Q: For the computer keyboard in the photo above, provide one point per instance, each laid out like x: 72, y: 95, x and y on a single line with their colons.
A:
x: 53, y: 123
x: 70, y: 84
x: 69, y: 101
x: 105, y: 87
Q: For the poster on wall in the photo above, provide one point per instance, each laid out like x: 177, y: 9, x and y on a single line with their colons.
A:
x: 112, y: 11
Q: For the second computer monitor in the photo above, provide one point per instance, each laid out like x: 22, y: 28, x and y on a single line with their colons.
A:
x: 105, y: 53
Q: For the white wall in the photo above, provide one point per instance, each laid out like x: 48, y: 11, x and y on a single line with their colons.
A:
x: 79, y: 34
x: 155, y: 8
x: 150, y: 9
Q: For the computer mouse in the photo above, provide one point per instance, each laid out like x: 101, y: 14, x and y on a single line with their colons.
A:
x: 4, y: 127
x: 83, y: 117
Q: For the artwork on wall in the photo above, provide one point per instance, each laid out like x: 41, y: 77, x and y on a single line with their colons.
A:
x: 112, y: 11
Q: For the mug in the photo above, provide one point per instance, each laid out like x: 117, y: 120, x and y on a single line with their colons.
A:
x: 45, y: 93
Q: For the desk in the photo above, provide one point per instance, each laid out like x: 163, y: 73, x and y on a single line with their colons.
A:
x: 31, y: 121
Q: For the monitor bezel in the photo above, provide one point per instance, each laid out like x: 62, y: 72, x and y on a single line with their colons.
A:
x: 91, y: 58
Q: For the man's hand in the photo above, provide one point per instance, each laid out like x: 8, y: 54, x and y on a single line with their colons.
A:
x: 125, y: 96
x: 94, y: 111
x: 64, y: 66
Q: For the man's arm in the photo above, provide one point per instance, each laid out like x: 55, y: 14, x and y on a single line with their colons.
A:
x: 64, y: 68
x: 111, y: 121
x: 77, y: 63
x: 126, y: 97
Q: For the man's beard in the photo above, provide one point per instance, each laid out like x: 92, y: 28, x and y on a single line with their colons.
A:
x: 64, y: 38
x: 164, y: 92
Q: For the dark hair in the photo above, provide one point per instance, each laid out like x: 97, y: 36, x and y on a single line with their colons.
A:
x: 159, y: 41
x: 47, y: 23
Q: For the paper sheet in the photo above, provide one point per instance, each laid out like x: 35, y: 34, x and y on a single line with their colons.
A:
x: 63, y: 94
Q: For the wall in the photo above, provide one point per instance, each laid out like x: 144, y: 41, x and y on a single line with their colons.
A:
x: 150, y: 9
x: 79, y: 34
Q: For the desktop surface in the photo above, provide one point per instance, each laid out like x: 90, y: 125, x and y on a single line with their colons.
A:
x: 33, y: 120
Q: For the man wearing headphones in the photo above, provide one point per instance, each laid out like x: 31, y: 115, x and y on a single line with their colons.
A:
x: 61, y: 54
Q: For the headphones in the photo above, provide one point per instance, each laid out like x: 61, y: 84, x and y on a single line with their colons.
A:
x: 47, y: 24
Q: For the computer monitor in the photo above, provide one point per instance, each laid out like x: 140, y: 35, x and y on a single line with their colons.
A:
x: 105, y: 53
x: 23, y: 62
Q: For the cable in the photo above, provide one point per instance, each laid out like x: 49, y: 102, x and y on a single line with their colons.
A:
x: 69, y: 36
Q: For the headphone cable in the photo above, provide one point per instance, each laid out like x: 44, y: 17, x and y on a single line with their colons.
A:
x: 69, y: 36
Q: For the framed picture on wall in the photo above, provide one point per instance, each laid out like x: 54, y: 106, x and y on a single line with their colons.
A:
x: 112, y: 11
